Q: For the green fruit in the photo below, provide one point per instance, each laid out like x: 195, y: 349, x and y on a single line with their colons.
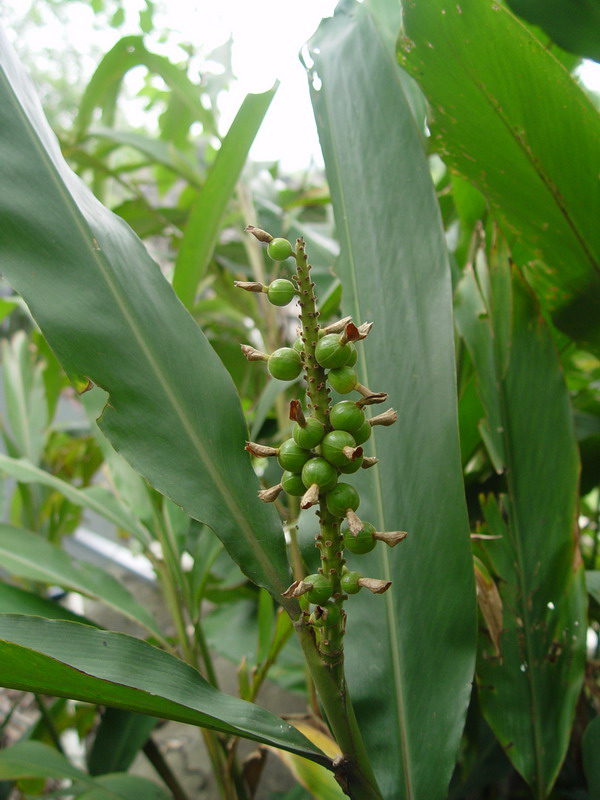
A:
x: 292, y: 484
x: 332, y: 447
x: 346, y: 416
x: 322, y: 588
x: 321, y: 472
x: 281, y: 292
x: 354, y: 356
x: 349, y: 582
x: 279, y: 249
x: 343, y: 379
x: 285, y: 364
x: 362, y: 434
x: 330, y: 616
x: 331, y: 353
x: 341, y: 498
x: 363, y: 542
x: 310, y: 435
x: 292, y: 457
x: 353, y: 466
x: 298, y: 345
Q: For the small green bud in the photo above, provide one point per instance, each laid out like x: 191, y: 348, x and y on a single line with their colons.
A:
x: 292, y: 457
x: 342, y: 379
x: 291, y: 483
x: 298, y: 345
x: 349, y: 582
x: 285, y: 364
x: 363, y: 542
x: 281, y: 292
x: 279, y: 249
x: 331, y: 353
x: 320, y: 472
x: 341, y: 498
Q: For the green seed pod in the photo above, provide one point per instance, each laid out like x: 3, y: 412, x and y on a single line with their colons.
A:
x: 346, y: 416
x: 279, y: 249
x: 310, y: 434
x: 321, y: 472
x: 363, y: 542
x: 322, y: 588
x: 332, y: 447
x: 363, y: 433
x: 281, y: 292
x: 285, y: 364
x: 354, y: 356
x: 342, y: 379
x: 341, y: 498
x: 331, y: 353
x: 291, y: 484
x: 326, y: 616
x: 349, y: 582
x: 292, y: 457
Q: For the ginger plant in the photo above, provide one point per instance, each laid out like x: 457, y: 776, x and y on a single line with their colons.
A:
x: 326, y: 444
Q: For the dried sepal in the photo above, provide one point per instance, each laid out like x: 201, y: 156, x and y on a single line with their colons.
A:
x: 387, y: 418
x: 271, y: 494
x: 310, y: 496
x: 296, y: 413
x: 252, y: 354
x: 297, y: 589
x: 353, y: 334
x: 391, y: 538
x: 250, y: 286
x: 369, y: 461
x: 374, y: 585
x: 369, y: 398
x: 261, y: 450
x: 259, y: 234
x: 354, y: 522
x: 352, y: 453
x: 364, y: 330
x: 337, y: 327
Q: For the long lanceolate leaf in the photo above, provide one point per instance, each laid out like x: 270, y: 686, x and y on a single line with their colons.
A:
x: 111, y: 317
x: 508, y: 116
x: 410, y: 654
x: 530, y: 680
x: 67, y: 659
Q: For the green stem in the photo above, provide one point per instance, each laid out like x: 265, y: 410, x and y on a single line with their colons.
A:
x: 49, y: 723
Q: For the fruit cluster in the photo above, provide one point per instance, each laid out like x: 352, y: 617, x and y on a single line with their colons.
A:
x: 326, y: 444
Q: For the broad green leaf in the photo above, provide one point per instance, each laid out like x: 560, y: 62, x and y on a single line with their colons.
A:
x: 118, y: 739
x: 590, y: 746
x: 113, y: 320
x: 507, y: 116
x: 27, y: 555
x: 14, y: 600
x: 36, y: 760
x: 66, y: 659
x: 573, y: 24
x: 94, y: 498
x: 409, y: 653
x: 206, y: 215
x: 529, y: 690
x: 103, y: 89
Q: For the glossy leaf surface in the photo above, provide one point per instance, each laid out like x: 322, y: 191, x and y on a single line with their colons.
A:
x: 409, y: 653
x: 112, y: 319
x: 529, y: 689
x: 503, y: 106
x: 66, y: 659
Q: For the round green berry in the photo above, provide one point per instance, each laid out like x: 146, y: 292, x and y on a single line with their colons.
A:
x: 346, y: 416
x: 321, y: 472
x: 349, y: 582
x: 328, y: 616
x: 331, y: 353
x: 281, y: 292
x: 352, y: 466
x: 322, y: 588
x: 285, y: 364
x: 310, y: 434
x: 298, y: 345
x: 332, y: 447
x: 354, y: 356
x: 292, y: 457
x: 292, y: 484
x: 342, y: 379
x: 341, y: 498
x: 362, y: 434
x: 363, y: 542
x: 279, y: 249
